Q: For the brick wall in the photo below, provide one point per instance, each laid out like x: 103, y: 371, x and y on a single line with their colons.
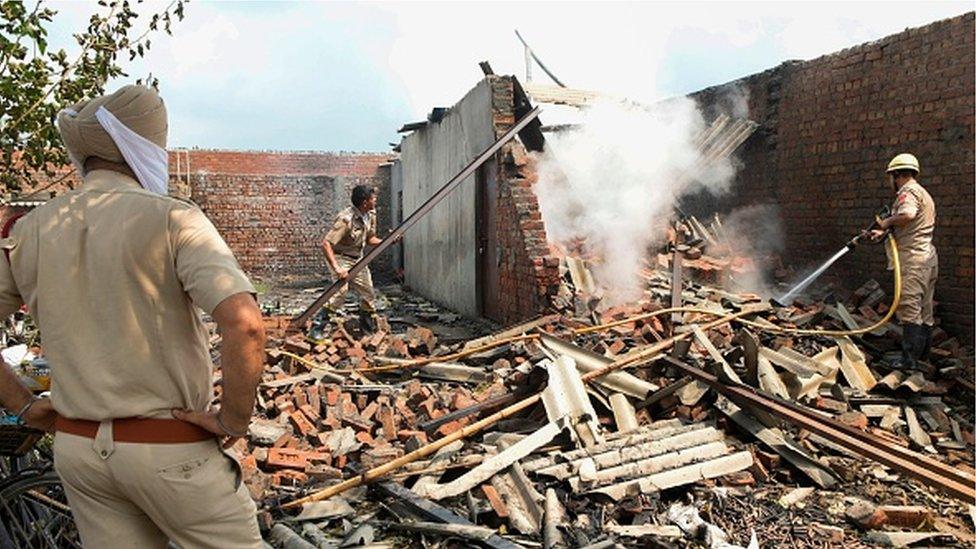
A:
x: 273, y: 208
x: 830, y: 125
x: 528, y: 273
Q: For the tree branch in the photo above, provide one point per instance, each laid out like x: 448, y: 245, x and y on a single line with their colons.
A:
x: 64, y: 75
x: 6, y: 58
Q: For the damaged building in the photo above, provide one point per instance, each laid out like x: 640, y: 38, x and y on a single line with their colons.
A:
x: 483, y: 250
x: 826, y: 129
x: 503, y: 402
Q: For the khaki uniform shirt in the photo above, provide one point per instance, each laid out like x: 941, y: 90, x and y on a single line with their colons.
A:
x: 351, y: 231
x: 915, y: 238
x: 112, y: 273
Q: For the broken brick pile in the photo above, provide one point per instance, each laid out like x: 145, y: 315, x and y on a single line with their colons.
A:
x: 644, y: 456
x: 689, y: 444
x: 311, y: 428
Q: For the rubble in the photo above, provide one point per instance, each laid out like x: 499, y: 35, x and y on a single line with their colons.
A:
x: 592, y: 426
x: 608, y: 463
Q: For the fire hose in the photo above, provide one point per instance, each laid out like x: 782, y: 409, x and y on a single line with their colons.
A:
x: 895, y: 300
x: 893, y: 247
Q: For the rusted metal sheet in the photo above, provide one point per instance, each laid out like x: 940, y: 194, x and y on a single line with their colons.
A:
x: 489, y: 290
x: 780, y: 443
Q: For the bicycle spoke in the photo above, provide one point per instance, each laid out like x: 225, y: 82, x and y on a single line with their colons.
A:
x: 33, y: 512
x: 13, y: 520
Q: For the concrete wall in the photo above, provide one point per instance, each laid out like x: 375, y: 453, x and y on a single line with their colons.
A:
x: 440, y: 251
x: 396, y: 213
x: 830, y: 125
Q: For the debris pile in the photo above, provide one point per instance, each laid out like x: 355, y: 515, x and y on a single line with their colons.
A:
x: 687, y: 418
x: 625, y: 425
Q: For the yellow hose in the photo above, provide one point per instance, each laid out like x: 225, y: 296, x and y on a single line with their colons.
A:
x: 306, y: 362
x: 651, y: 314
x: 488, y: 346
x: 893, y: 246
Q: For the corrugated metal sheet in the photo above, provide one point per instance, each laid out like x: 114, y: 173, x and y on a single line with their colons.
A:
x: 661, y: 456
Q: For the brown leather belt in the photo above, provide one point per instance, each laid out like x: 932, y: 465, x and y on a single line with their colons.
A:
x: 137, y: 429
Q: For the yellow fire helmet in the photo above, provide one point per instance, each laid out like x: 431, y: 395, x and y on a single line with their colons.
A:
x: 903, y: 161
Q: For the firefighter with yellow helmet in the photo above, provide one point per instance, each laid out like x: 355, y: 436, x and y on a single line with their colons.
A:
x: 913, y: 221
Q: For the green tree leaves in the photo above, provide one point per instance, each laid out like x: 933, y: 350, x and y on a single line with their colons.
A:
x: 36, y: 82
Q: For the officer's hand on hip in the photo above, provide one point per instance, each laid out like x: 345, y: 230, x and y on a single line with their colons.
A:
x: 209, y: 421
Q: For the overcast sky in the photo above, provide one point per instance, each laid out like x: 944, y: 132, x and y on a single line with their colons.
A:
x: 344, y: 75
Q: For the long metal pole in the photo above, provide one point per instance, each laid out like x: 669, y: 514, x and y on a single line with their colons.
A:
x: 539, y: 61
x: 299, y: 321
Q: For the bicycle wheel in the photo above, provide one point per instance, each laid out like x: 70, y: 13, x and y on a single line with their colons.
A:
x: 34, y: 513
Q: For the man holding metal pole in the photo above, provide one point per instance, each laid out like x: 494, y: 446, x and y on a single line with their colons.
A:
x: 913, y: 221
x: 353, y: 230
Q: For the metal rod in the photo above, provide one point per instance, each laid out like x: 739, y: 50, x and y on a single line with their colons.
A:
x: 300, y: 320
x: 928, y: 471
x: 539, y: 61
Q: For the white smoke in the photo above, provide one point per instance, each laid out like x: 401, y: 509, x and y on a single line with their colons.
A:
x: 735, y: 101
x: 613, y: 184
x: 755, y: 235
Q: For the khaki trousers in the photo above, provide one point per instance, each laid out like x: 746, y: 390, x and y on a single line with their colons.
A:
x: 144, y: 495
x: 918, y: 291
x: 361, y: 284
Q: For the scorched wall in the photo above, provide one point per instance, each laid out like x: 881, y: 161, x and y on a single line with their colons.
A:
x: 830, y: 125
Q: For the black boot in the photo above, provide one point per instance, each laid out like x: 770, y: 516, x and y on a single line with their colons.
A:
x: 910, y: 338
x: 368, y: 321
x: 925, y: 342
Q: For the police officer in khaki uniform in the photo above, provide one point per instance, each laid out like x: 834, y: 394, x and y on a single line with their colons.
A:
x: 913, y: 221
x: 114, y: 273
x: 354, y: 228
